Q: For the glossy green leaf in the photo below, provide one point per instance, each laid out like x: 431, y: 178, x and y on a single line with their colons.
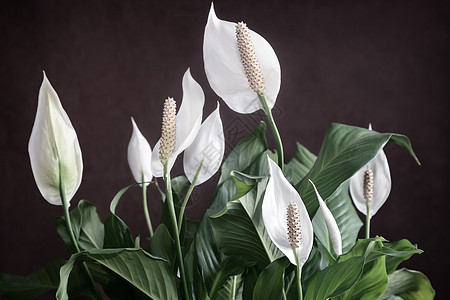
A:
x: 149, y: 274
x: 344, y: 151
x: 43, y: 281
x: 239, y: 229
x: 270, y: 283
x: 208, y: 255
x: 397, y: 252
x: 408, y: 285
x: 245, y: 152
x: 372, y: 282
x: 299, y: 165
x: 335, y: 279
x: 162, y: 245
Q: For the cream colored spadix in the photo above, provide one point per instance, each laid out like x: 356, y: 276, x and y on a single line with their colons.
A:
x: 188, y: 121
x: 54, y: 147
x: 207, y: 149
x: 139, y: 156
x: 333, y: 229
x: 380, y: 184
x: 279, y: 196
x: 226, y: 72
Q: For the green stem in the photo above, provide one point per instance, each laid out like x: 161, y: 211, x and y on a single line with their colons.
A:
x: 283, y: 294
x: 367, y: 220
x: 233, y: 291
x: 274, y: 129
x: 298, y: 276
x: 186, y: 198
x: 146, y: 213
x: 62, y: 193
x: 173, y: 218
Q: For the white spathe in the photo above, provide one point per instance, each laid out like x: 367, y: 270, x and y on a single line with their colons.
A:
x: 225, y: 71
x: 139, y: 156
x: 381, y: 184
x: 333, y: 229
x: 207, y: 149
x: 189, y: 119
x: 54, y: 143
x: 279, y: 193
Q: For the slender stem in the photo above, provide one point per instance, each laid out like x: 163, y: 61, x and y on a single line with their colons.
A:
x: 186, y: 198
x: 62, y: 193
x: 274, y: 129
x: 283, y: 294
x: 173, y: 218
x: 233, y: 291
x: 298, y: 276
x: 367, y: 220
x: 146, y: 213
x: 158, y: 188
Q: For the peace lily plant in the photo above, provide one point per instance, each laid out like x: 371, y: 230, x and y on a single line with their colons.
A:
x: 275, y: 229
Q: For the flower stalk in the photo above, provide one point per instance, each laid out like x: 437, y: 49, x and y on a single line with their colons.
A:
x: 168, y: 135
x: 65, y: 204
x: 144, y: 202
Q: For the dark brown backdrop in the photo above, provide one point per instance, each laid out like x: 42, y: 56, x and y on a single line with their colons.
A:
x: 356, y: 62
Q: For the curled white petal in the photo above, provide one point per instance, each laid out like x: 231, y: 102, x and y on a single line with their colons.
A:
x: 225, y: 71
x: 333, y: 229
x: 189, y: 118
x: 381, y: 184
x: 139, y: 156
x: 53, y: 141
x: 279, y: 194
x: 208, y: 146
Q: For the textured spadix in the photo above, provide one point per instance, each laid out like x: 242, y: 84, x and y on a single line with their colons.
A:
x: 381, y: 184
x: 208, y: 148
x: 54, y: 146
x: 225, y: 70
x: 278, y: 197
x: 188, y: 121
x: 333, y: 229
x: 139, y: 156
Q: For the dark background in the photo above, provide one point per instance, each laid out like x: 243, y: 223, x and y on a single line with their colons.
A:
x: 355, y: 62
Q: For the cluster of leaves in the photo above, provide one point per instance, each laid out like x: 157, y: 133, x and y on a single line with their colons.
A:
x: 228, y: 253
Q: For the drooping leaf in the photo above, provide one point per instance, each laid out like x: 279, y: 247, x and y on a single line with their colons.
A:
x: 408, y: 285
x: 344, y: 151
x: 150, y: 274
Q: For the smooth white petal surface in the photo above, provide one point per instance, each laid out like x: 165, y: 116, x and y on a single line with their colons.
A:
x: 225, y: 71
x: 209, y: 146
x: 139, y: 156
x: 381, y: 184
x: 189, y: 119
x: 53, y: 140
x: 333, y: 229
x: 279, y: 193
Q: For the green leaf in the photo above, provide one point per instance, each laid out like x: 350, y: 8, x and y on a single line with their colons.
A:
x: 230, y: 267
x: 117, y: 233
x: 335, y: 279
x: 344, y: 151
x: 42, y: 282
x: 162, y: 245
x: 239, y: 230
x: 397, y: 252
x: 31, y: 286
x: 149, y: 274
x: 270, y: 283
x: 372, y: 282
x: 299, y: 165
x: 245, y: 152
x: 409, y: 285
x: 208, y: 255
